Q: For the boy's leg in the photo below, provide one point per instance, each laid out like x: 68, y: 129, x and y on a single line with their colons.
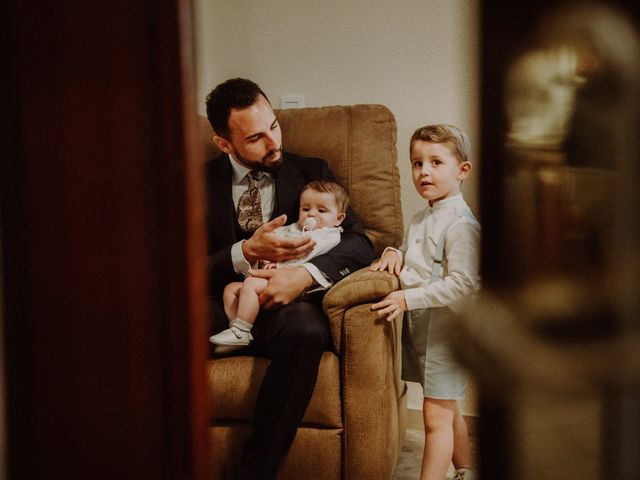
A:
x: 439, y: 438
x: 462, y: 457
x: 230, y: 299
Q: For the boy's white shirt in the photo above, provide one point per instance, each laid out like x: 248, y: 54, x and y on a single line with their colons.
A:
x: 462, y: 256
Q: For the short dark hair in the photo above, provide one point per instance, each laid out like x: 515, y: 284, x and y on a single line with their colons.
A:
x: 233, y: 93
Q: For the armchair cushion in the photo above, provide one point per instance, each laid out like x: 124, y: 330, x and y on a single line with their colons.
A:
x: 238, y: 379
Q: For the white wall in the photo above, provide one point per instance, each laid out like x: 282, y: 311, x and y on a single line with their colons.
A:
x: 417, y: 57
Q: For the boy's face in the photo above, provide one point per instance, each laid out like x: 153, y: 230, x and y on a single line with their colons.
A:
x: 322, y: 207
x: 436, y: 172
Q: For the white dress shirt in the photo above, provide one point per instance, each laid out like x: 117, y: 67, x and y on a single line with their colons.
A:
x: 461, y: 262
x: 267, y: 186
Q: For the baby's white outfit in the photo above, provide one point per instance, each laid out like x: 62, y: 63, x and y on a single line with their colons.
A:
x: 326, y: 238
x: 440, y: 270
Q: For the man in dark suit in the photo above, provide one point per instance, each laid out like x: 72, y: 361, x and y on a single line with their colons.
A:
x: 291, y: 329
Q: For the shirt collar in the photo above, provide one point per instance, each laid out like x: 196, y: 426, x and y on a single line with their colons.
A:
x: 448, y: 202
x: 240, y: 171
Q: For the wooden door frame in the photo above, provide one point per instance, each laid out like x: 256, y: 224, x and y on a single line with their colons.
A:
x: 103, y: 242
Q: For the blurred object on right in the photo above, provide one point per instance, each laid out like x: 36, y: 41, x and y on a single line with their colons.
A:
x: 555, y: 339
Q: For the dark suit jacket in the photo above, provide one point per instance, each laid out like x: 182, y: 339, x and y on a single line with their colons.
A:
x: 353, y: 252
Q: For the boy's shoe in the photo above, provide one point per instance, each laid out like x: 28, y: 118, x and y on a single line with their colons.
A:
x: 465, y: 474
x: 233, y: 338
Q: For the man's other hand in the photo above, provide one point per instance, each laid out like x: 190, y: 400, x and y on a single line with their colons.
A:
x: 285, y: 285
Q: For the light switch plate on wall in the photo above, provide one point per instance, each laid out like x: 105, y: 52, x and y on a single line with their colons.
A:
x: 292, y: 101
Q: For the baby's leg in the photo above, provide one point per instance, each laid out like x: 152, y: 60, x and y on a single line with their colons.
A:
x: 248, y: 303
x: 241, y: 306
x: 230, y: 299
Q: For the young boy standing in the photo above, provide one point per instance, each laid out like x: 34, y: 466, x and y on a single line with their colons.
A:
x: 438, y: 266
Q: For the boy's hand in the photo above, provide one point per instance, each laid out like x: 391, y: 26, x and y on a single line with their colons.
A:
x: 389, y: 262
x: 391, y: 306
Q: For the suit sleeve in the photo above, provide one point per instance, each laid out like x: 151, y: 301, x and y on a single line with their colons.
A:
x: 219, y: 236
x: 220, y: 269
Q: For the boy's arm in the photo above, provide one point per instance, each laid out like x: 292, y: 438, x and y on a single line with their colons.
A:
x: 393, y: 263
x: 462, y: 276
x: 390, y: 261
x: 391, y: 306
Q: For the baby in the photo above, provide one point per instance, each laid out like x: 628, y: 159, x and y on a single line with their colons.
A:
x: 323, y: 206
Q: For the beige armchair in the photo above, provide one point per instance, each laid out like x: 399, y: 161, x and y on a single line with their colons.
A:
x: 355, y: 423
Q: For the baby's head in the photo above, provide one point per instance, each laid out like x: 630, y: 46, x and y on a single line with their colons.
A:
x: 323, y: 203
x: 439, y: 161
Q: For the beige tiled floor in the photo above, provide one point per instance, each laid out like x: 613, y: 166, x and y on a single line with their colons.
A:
x: 410, y: 456
x: 408, y: 467
x: 554, y: 437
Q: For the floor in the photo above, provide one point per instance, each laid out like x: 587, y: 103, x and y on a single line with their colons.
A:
x: 410, y: 460
x: 408, y: 467
x: 554, y: 437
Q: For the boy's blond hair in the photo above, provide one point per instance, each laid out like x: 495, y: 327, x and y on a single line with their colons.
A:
x: 450, y: 135
x: 332, y: 187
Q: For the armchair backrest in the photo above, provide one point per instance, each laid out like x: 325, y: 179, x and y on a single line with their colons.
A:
x: 359, y: 144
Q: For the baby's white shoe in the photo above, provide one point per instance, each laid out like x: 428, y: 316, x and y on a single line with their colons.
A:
x: 238, y: 335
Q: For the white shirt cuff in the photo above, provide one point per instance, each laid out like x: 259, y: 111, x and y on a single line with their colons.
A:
x: 399, y: 252
x: 240, y: 264
x: 414, y: 298
x: 323, y: 282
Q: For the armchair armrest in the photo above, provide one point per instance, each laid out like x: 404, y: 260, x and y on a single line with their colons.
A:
x: 362, y: 286
x: 373, y: 395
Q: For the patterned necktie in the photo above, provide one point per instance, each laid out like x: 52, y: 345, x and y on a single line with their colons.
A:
x: 249, y: 208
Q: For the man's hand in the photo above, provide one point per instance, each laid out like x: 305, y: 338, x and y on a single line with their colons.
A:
x: 285, y: 285
x: 264, y: 244
x: 391, y: 306
x: 390, y: 262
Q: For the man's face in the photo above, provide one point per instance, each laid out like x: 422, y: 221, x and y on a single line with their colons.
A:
x: 255, y: 137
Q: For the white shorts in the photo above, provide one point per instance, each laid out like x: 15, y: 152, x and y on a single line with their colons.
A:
x: 426, y: 355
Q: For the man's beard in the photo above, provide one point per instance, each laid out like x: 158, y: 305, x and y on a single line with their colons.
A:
x: 272, y: 167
